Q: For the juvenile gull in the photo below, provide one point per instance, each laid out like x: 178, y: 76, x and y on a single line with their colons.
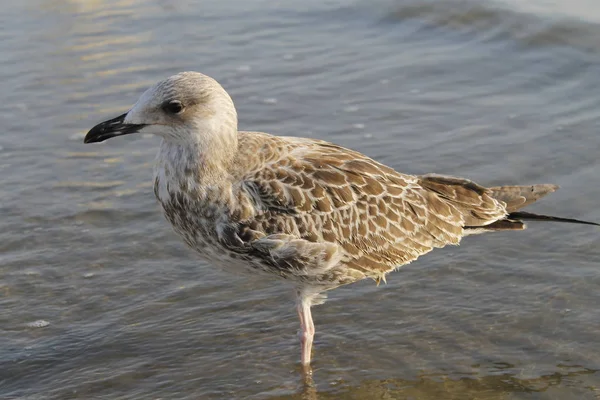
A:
x: 307, y: 211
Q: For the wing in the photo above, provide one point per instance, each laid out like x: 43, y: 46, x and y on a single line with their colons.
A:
x: 378, y: 218
x: 478, y: 205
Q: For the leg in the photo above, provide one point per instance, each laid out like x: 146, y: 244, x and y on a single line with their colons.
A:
x: 307, y: 329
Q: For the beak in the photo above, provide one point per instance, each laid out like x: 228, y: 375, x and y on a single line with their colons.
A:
x: 111, y: 128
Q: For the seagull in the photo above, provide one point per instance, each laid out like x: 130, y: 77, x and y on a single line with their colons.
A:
x: 307, y: 211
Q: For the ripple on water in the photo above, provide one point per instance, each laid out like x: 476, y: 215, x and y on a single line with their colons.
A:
x: 89, y: 184
x: 87, y: 154
x: 491, y: 21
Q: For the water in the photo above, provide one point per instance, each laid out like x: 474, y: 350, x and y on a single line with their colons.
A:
x: 100, y: 300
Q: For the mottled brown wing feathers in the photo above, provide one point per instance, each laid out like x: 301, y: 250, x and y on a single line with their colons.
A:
x: 381, y: 219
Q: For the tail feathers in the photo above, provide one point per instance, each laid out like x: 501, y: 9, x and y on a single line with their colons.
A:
x: 527, y: 216
x: 514, y: 222
x: 517, y: 197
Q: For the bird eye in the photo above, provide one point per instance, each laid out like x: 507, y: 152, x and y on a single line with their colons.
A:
x: 173, y: 107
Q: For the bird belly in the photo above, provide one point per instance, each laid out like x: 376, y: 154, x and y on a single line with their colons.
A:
x: 200, y: 234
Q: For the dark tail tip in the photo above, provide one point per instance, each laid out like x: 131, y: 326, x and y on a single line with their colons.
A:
x: 527, y: 216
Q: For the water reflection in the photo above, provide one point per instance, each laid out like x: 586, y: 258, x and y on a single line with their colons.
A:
x: 567, y: 383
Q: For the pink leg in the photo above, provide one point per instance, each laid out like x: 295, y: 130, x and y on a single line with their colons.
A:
x: 307, y: 330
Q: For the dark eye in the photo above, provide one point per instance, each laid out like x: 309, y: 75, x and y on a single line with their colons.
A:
x: 173, y: 107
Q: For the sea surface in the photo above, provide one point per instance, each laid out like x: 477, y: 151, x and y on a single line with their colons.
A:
x: 100, y: 300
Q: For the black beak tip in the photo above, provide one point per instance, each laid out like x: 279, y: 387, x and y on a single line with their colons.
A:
x: 99, y: 133
x: 111, y: 128
x: 89, y: 138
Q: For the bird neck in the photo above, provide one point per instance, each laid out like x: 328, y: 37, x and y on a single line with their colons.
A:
x: 185, y: 170
x: 197, y: 162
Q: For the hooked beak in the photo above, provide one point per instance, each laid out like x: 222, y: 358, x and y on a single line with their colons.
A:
x: 111, y: 128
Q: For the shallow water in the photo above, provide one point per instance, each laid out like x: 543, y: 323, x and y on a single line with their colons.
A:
x: 100, y: 300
